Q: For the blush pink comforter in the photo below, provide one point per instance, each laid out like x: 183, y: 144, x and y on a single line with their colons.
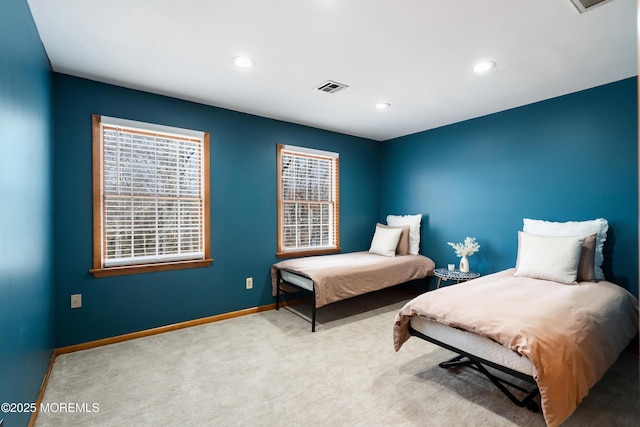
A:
x: 341, y: 276
x: 571, y: 333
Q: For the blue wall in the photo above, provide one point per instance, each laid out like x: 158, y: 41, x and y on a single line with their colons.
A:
x: 243, y: 210
x: 26, y: 285
x: 568, y: 158
x: 573, y: 157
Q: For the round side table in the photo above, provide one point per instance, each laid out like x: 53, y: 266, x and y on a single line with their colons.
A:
x: 457, y: 275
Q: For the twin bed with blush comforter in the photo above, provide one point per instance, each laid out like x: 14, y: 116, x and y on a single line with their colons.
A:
x: 564, y: 337
x: 552, y: 321
x: 332, y: 278
x: 392, y: 259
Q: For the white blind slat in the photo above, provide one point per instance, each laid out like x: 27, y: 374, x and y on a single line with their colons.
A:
x: 309, y: 198
x: 153, y: 197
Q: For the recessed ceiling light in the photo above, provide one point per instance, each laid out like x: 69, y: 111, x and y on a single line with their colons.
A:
x: 484, y: 66
x: 243, y: 61
x: 382, y: 106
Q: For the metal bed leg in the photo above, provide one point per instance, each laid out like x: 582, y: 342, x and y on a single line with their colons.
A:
x: 279, y: 290
x: 478, y: 364
x: 278, y: 280
x: 498, y: 382
x: 456, y: 361
x: 313, y: 310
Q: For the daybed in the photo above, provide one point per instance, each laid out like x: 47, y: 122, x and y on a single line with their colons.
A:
x: 392, y: 259
x: 547, y: 321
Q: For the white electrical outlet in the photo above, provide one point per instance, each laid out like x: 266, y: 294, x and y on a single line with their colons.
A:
x: 76, y: 300
x: 249, y: 282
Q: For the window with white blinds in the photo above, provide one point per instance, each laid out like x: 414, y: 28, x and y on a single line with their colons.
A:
x: 308, y: 208
x: 152, y: 203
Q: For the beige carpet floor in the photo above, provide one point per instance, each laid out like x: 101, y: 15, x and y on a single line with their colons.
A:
x: 268, y: 369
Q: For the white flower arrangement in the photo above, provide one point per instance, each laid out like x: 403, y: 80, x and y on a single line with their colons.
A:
x: 468, y: 248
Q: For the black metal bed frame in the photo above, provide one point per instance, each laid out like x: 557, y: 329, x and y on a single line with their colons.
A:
x: 279, y: 290
x: 466, y: 359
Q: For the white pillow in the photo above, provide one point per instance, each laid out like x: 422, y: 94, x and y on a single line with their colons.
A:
x: 598, y: 226
x: 413, y: 221
x: 549, y: 257
x: 385, y: 241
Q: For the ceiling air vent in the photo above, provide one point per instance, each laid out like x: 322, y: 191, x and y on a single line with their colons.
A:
x: 331, y: 87
x: 585, y: 5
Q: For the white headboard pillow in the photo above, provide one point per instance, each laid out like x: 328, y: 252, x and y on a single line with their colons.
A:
x: 598, y: 226
x: 553, y: 258
x: 413, y: 221
x: 385, y: 240
x: 403, y: 243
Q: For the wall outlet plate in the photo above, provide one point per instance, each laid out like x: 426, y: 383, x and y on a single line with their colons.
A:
x: 249, y: 282
x: 76, y: 300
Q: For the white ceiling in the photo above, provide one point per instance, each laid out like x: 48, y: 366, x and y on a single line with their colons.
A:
x: 416, y: 55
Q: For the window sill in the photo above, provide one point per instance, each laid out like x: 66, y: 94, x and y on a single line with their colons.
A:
x: 308, y: 253
x: 148, y: 268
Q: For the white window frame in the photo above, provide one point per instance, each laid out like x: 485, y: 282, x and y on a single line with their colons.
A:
x: 188, y: 204
x: 305, y: 243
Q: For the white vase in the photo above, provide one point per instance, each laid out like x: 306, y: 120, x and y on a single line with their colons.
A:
x: 464, y: 264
